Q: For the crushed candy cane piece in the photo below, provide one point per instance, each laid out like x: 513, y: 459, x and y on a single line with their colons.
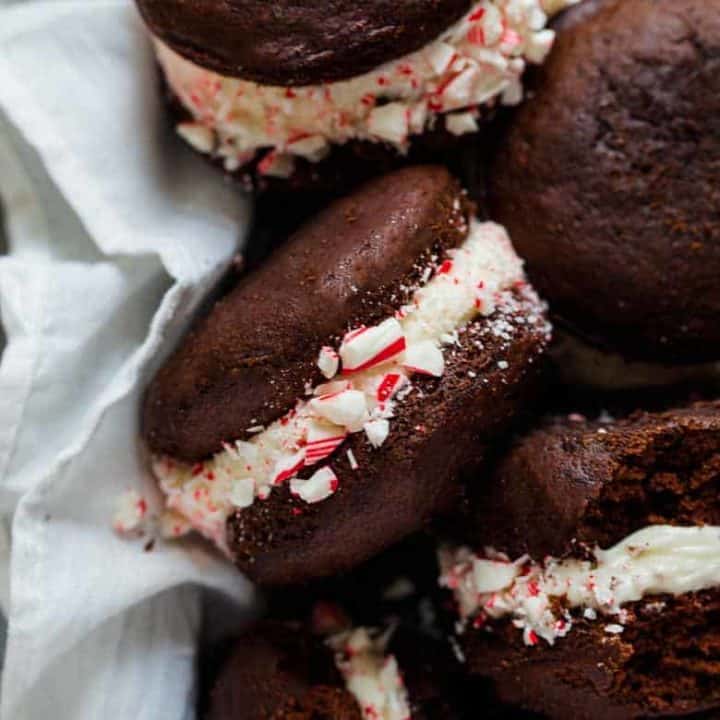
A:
x: 322, y: 440
x: 328, y: 362
x: 347, y: 409
x: 390, y: 122
x: 243, y: 493
x: 367, y: 347
x: 377, y: 431
x: 288, y: 466
x: 320, y: 486
x: 425, y: 358
x: 461, y: 123
x: 389, y: 386
x: 130, y: 513
x: 197, y: 136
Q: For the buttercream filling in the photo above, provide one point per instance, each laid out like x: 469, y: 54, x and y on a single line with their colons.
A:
x: 543, y: 599
x: 477, y: 61
x: 368, y: 376
x: 371, y: 676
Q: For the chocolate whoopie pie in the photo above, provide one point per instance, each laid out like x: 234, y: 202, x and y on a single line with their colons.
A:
x: 607, y: 180
x: 326, y: 406
x: 289, y: 93
x: 596, y: 594
x: 280, y: 671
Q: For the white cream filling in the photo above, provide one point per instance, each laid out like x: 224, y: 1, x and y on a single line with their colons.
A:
x: 371, y: 676
x: 479, y: 59
x: 539, y: 597
x: 468, y: 283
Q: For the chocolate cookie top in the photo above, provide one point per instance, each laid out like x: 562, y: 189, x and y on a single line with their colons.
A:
x: 249, y: 361
x: 576, y: 481
x: 607, y: 180
x: 297, y: 43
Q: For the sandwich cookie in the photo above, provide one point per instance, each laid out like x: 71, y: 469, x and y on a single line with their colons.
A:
x: 325, y: 408
x: 592, y: 589
x: 270, y: 92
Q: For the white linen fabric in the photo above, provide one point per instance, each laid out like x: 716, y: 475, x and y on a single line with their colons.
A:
x: 116, y: 233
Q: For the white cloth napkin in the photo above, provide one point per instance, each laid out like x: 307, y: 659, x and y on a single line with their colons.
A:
x: 116, y: 233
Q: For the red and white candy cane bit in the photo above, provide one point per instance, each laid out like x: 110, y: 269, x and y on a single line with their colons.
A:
x: 347, y: 409
x: 328, y: 362
x: 320, y: 486
x: 372, y: 346
x: 322, y: 441
x: 425, y: 358
x: 445, y: 267
x: 288, y: 466
x: 389, y: 386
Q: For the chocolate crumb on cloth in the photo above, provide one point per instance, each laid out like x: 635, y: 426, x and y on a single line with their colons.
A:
x: 325, y: 408
x: 272, y: 94
x: 607, y: 179
x: 593, y: 591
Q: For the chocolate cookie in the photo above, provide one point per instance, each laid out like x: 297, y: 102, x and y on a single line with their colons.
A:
x: 607, y: 181
x: 597, y: 593
x: 290, y: 94
x: 325, y: 408
x: 282, y: 672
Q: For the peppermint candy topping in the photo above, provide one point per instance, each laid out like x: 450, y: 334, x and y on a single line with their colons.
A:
x: 328, y: 362
x: 425, y: 358
x: 243, y: 493
x: 479, y: 60
x: 365, y: 348
x: 347, y: 408
x: 317, y: 488
x: 131, y: 511
x: 322, y: 441
x: 377, y: 431
x: 288, y: 466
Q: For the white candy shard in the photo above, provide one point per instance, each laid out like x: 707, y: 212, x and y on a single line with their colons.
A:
x: 328, y: 362
x: 491, y: 576
x: 130, y: 513
x: 242, y: 494
x: 197, y: 136
x: 347, y: 409
x: 377, y: 431
x: 461, y: 123
x: 390, y: 122
x: 425, y: 358
x: 313, y: 148
x: 317, y: 488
